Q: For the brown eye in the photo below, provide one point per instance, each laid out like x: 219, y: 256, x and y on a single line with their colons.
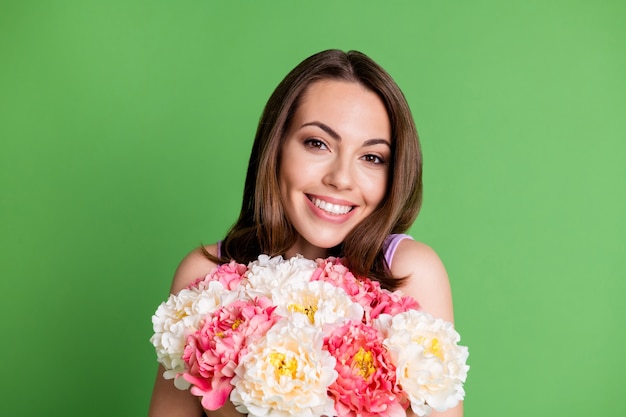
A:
x: 373, y: 159
x: 315, y: 143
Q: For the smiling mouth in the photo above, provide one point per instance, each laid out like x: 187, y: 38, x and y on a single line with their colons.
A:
x: 330, y: 208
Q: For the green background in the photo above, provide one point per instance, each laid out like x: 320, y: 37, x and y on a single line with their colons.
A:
x: 125, y: 128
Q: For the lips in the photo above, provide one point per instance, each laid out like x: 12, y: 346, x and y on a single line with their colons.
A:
x: 330, y: 208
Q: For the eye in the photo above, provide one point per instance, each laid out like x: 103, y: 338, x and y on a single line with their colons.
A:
x: 373, y: 159
x: 315, y: 144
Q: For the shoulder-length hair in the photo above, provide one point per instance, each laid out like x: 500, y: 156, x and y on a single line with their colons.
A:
x: 262, y: 226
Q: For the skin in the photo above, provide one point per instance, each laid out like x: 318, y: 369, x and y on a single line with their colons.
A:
x: 336, y: 150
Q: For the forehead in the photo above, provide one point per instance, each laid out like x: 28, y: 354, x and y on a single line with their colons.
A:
x: 343, y: 105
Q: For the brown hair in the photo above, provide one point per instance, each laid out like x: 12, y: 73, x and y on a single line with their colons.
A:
x: 262, y: 226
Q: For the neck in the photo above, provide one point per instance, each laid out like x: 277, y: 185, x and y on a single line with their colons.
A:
x: 307, y: 250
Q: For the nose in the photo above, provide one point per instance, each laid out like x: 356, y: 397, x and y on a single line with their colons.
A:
x: 339, y: 174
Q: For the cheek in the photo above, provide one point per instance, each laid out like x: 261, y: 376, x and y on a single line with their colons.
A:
x: 290, y: 178
x: 375, y: 189
x: 296, y: 172
x: 286, y: 178
x: 379, y: 193
x: 283, y: 184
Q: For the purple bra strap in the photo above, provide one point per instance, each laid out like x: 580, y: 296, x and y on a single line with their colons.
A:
x: 391, y: 244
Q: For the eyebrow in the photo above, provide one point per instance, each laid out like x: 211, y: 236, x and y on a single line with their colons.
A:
x: 337, y: 137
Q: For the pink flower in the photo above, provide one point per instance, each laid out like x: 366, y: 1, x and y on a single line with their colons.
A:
x: 392, y: 303
x: 230, y: 275
x: 374, y: 299
x: 332, y: 270
x: 366, y: 385
x: 212, y: 353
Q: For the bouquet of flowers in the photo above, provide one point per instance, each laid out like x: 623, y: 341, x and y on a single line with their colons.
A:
x: 308, y: 338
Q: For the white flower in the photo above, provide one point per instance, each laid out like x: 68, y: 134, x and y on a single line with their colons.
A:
x: 180, y: 316
x: 320, y: 301
x: 430, y: 366
x: 267, y: 274
x: 285, y: 373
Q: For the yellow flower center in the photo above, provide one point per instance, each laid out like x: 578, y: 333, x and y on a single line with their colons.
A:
x: 308, y: 310
x: 180, y: 314
x: 434, y: 348
x: 363, y: 361
x: 236, y: 324
x: 282, y: 366
x: 233, y: 326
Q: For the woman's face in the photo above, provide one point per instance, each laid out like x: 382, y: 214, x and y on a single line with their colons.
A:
x: 334, y: 164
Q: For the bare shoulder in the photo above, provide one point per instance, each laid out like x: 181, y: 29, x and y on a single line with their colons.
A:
x: 193, y: 266
x: 427, y: 278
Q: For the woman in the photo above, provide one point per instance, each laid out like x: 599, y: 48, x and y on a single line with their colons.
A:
x: 335, y: 169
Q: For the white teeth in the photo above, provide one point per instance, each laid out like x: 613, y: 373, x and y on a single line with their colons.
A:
x: 330, y: 207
